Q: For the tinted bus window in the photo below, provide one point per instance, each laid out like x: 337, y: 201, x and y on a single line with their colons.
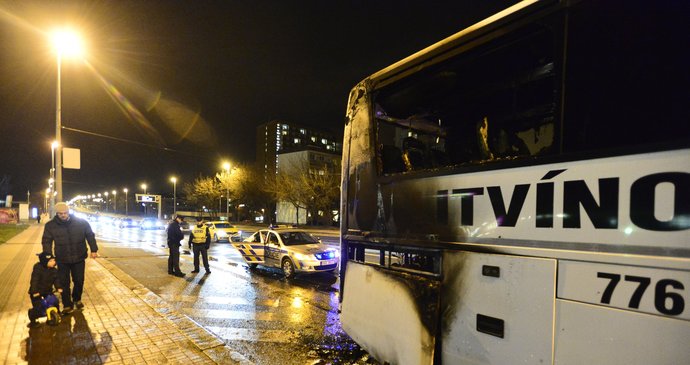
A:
x: 627, y: 80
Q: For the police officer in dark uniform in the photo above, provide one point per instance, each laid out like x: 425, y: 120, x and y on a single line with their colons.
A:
x: 174, y: 237
x: 199, y: 243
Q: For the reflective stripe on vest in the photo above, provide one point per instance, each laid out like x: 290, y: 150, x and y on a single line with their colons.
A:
x: 199, y: 234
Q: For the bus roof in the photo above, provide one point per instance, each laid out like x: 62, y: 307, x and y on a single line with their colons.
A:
x: 443, y: 45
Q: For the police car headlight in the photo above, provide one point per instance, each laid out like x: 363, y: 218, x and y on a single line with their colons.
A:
x: 222, y: 234
x: 303, y: 257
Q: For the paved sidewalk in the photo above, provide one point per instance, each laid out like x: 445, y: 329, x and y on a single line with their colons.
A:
x: 121, y: 323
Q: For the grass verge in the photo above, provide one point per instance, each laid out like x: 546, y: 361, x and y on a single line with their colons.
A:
x: 8, y: 231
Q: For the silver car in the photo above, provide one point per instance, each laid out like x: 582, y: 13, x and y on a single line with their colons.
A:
x: 293, y: 251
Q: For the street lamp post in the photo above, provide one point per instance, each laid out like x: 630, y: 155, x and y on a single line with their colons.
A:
x: 226, y: 166
x: 45, y: 207
x: 174, y: 181
x: 143, y: 187
x: 106, y: 200
x: 114, y: 192
x: 53, y: 146
x: 65, y: 43
x: 126, y: 202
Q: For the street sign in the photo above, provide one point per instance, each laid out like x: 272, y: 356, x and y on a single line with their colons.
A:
x: 148, y: 198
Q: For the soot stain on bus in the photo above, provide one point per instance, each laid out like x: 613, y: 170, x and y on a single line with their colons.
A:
x: 425, y: 293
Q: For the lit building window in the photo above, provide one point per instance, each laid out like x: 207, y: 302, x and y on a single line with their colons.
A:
x: 303, y: 131
x: 285, y: 126
x: 285, y: 133
x: 296, y: 140
x: 321, y: 172
x: 329, y: 147
x: 313, y: 139
x: 324, y: 141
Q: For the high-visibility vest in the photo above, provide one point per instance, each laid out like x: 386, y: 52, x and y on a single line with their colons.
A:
x: 199, y: 234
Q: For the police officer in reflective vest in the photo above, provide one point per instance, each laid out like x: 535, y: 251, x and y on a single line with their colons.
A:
x: 199, y: 243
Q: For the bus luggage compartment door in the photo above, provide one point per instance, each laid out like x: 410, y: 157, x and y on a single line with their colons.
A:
x: 392, y: 314
x: 497, y: 309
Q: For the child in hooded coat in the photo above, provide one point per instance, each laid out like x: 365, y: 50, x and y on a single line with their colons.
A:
x: 44, y: 280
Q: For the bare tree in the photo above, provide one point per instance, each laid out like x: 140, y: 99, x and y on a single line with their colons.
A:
x: 286, y: 187
x: 204, y: 191
x: 322, y: 188
x: 252, y: 188
x: 304, y: 186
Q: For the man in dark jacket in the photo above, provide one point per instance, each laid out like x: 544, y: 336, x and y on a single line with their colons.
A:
x: 174, y: 237
x: 44, y: 279
x: 70, y: 235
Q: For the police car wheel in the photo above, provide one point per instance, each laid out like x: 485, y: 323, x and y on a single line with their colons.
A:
x: 288, y: 268
x: 215, y: 238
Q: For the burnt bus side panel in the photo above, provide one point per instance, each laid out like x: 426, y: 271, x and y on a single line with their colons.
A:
x: 358, y: 205
x: 393, y: 315
x: 361, y: 168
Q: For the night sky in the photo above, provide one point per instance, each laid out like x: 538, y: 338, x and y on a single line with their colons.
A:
x: 155, y: 68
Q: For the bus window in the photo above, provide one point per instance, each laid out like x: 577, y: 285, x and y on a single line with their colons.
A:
x: 613, y: 89
x: 498, y: 102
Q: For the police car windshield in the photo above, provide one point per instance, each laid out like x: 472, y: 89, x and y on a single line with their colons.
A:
x: 223, y: 225
x: 297, y: 238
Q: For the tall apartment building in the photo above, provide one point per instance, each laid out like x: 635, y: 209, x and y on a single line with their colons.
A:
x: 276, y: 137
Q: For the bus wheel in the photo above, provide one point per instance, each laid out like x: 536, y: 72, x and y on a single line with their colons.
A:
x: 288, y: 268
x: 253, y: 266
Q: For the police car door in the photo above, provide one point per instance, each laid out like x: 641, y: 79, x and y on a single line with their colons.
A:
x: 252, y: 249
x: 272, y: 250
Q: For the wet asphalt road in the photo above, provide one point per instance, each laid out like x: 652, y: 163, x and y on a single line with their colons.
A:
x: 257, y: 312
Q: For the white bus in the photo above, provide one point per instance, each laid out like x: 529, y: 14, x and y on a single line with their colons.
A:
x: 519, y: 193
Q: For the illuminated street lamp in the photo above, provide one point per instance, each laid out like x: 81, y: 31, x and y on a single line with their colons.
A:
x: 66, y: 43
x: 126, y: 202
x: 114, y: 192
x: 174, y: 181
x: 106, y: 200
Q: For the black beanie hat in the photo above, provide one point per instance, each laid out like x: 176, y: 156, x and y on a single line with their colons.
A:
x: 44, y: 257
